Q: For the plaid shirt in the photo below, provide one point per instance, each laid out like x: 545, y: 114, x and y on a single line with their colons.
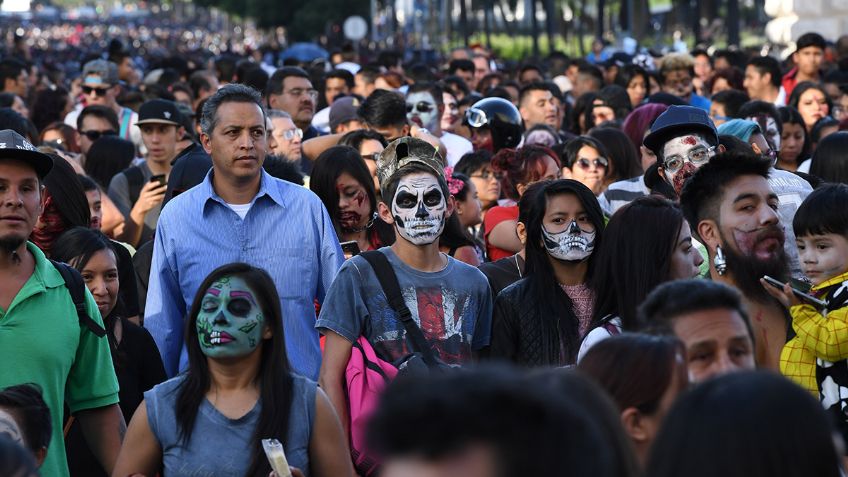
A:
x: 817, y: 336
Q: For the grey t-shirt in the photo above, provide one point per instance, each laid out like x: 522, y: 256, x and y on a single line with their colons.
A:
x: 220, y: 446
x: 119, y: 192
x: 453, y: 308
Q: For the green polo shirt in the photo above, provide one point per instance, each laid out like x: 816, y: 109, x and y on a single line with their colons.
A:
x: 42, y: 342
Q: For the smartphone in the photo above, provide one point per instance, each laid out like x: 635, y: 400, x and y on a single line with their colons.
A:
x: 801, y: 295
x: 351, y: 248
x: 160, y: 178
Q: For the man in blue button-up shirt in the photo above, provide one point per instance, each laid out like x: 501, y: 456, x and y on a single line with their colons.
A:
x: 239, y: 213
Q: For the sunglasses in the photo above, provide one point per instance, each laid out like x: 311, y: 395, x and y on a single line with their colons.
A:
x: 87, y: 90
x: 421, y: 107
x: 584, y: 163
x: 289, y: 134
x: 95, y: 135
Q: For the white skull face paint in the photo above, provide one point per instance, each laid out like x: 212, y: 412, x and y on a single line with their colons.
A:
x: 422, y: 110
x: 572, y: 244
x: 419, y: 208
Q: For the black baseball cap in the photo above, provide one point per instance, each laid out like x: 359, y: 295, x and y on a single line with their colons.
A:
x: 679, y: 120
x: 14, y: 146
x: 159, y: 111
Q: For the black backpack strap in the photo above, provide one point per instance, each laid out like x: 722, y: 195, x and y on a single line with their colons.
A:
x: 389, y: 282
x: 76, y: 287
x: 135, y: 181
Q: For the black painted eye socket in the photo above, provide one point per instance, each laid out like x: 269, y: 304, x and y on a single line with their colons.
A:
x: 405, y: 200
x: 239, y: 307
x: 432, y: 198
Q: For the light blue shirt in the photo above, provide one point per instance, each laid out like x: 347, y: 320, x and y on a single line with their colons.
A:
x: 287, y: 232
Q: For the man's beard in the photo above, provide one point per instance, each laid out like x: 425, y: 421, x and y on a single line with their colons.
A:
x: 747, y: 270
x: 10, y: 244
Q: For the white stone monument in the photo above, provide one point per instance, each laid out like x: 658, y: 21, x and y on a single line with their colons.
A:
x: 793, y: 18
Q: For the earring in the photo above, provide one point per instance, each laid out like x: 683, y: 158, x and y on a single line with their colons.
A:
x: 719, y: 262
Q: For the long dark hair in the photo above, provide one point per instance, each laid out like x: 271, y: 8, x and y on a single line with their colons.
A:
x: 558, y: 322
x: 636, y: 257
x: 76, y: 247
x: 828, y: 161
x: 790, y: 115
x: 331, y: 164
x: 455, y: 235
x: 107, y: 157
x: 274, y: 377
x: 521, y: 166
x: 625, y: 161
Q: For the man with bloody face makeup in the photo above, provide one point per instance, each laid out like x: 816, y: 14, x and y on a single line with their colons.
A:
x: 449, y: 300
x: 734, y: 212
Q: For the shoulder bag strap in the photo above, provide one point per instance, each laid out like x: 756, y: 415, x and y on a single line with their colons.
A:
x: 389, y: 282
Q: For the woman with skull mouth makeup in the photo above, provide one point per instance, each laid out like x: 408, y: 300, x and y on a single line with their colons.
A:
x: 341, y: 179
x: 540, y: 320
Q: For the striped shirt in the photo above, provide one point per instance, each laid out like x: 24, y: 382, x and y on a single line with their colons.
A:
x: 287, y: 232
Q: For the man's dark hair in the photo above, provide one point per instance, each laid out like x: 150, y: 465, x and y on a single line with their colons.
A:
x: 702, y: 193
x: 256, y: 78
x: 456, y: 84
x: 341, y: 74
x: 592, y: 71
x: 472, y: 162
x: 26, y: 404
x: 199, y: 81
x: 530, y: 427
x: 383, y: 108
x: 755, y: 108
x: 810, y: 39
x: 231, y: 93
x: 102, y: 112
x: 420, y: 73
x: 10, y: 68
x: 701, y: 52
x: 527, y: 89
x: 225, y: 67
x: 823, y: 212
x: 732, y: 100
x: 10, y: 119
x: 389, y: 58
x: 276, y: 81
x: 368, y: 73
x: 464, y: 65
x: 433, y: 88
x: 530, y: 67
x: 767, y: 65
x: 681, y: 297
x: 734, y: 144
x: 355, y: 139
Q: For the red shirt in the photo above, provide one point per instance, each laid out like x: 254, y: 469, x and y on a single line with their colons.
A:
x: 495, y: 216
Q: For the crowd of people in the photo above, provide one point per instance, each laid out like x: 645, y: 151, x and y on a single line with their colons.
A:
x: 629, y: 266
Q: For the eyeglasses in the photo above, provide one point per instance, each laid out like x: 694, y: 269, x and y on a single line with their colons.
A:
x: 486, y: 175
x: 370, y: 157
x: 600, y: 163
x: 298, y: 92
x: 476, y: 118
x: 421, y: 107
x: 87, y: 90
x: 698, y: 156
x: 289, y: 134
x: 95, y: 135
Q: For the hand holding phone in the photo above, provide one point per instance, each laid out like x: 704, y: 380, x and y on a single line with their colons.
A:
x: 798, y: 295
x: 350, y: 248
x: 160, y: 178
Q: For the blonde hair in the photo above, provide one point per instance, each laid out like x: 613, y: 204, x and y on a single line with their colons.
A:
x: 676, y: 61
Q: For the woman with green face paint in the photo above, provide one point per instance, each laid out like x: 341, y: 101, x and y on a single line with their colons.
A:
x: 238, y: 389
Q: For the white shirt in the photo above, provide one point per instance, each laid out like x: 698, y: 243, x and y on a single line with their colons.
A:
x: 240, y: 209
x: 596, y: 336
x: 457, y: 147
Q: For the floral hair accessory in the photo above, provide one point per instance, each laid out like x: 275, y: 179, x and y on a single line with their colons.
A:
x: 455, y: 186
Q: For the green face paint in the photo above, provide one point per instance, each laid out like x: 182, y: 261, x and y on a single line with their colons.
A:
x: 230, y: 321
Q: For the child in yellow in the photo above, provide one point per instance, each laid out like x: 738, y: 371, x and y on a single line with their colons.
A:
x: 816, y: 358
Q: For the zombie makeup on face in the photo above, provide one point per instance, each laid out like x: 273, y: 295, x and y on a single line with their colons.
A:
x: 762, y: 243
x: 354, y: 205
x: 230, y: 322
x: 682, y: 156
x: 572, y: 244
x: 419, y: 208
x: 769, y: 128
x: 422, y: 110
x: 9, y: 427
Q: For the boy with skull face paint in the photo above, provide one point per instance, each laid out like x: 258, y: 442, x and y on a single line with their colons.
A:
x: 449, y: 300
